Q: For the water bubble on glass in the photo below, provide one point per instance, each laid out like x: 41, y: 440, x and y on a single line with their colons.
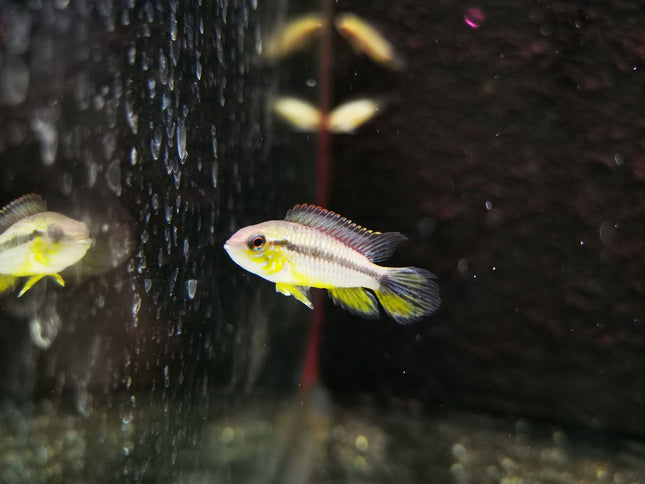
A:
x: 47, y: 135
x: 214, y: 170
x: 113, y: 177
x: 132, y: 118
x: 166, y: 376
x: 186, y: 250
x: 191, y: 288
x: 181, y: 140
x: 14, y: 81
x: 136, y: 304
x: 155, y: 143
x: 44, y: 326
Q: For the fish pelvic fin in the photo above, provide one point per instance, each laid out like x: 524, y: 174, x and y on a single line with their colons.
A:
x: 301, y: 293
x: 408, y: 294
x: 356, y: 300
x: 34, y: 279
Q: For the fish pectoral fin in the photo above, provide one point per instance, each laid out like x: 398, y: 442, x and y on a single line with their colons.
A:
x: 7, y: 283
x: 356, y: 300
x: 30, y: 283
x: 301, y: 293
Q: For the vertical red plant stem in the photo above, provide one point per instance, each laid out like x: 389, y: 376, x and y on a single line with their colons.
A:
x: 310, y: 369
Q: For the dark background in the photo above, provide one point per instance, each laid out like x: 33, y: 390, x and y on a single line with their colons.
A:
x: 512, y: 155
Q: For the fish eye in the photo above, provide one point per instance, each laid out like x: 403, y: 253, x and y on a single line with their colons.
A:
x: 257, y: 242
x: 55, y: 233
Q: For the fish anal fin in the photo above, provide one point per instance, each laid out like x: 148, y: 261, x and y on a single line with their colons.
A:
x: 376, y: 246
x: 7, y: 282
x: 356, y: 300
x: 301, y: 293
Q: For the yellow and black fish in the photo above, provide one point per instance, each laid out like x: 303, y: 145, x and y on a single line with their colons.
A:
x: 314, y: 247
x: 36, y: 243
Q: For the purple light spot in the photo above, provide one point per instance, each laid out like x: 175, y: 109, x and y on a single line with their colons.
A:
x: 474, y: 17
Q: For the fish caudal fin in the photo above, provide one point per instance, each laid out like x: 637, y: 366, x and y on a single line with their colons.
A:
x: 408, y: 294
x: 356, y: 300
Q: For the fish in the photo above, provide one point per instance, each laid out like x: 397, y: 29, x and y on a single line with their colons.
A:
x: 343, y: 119
x: 315, y: 247
x: 292, y: 36
x: 35, y: 243
x: 366, y: 39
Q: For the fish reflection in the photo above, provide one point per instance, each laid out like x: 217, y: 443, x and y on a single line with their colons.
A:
x: 366, y: 39
x: 35, y: 243
x: 293, y: 36
x: 345, y: 118
x: 314, y: 247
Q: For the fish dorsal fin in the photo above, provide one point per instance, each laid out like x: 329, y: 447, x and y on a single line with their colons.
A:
x: 376, y: 246
x: 20, y: 208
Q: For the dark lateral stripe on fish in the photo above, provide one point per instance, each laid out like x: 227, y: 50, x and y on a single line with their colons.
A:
x: 331, y: 258
x: 17, y: 241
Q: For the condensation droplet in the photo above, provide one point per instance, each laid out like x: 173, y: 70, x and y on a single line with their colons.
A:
x: 191, y: 288
x: 186, y: 249
x: 166, y: 376
x: 48, y: 137
x: 44, y: 327
x: 181, y: 140
x: 113, y: 177
x: 133, y: 156
x: 155, y: 143
x: 136, y: 304
x: 14, y: 81
x: 214, y: 172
